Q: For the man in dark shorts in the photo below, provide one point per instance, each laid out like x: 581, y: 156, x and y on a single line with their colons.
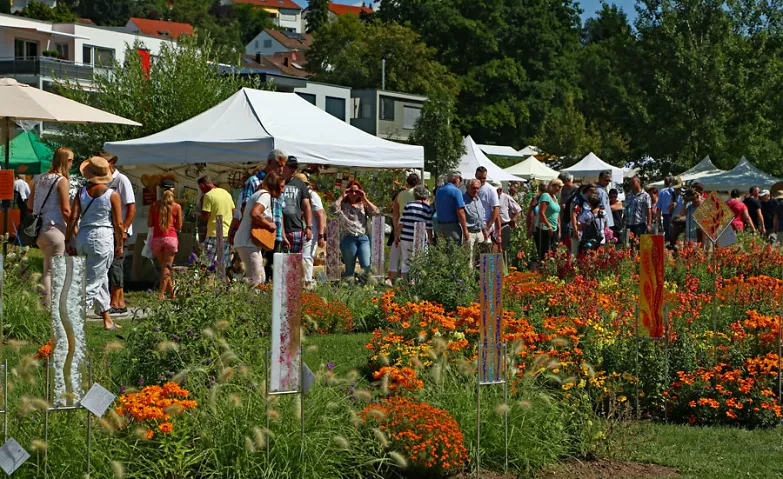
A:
x: 297, y: 212
x: 122, y: 185
x: 754, y: 208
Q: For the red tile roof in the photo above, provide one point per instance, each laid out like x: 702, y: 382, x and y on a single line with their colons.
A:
x: 288, y: 63
x: 292, y: 41
x: 289, y: 4
x: 340, y: 9
x: 162, y: 29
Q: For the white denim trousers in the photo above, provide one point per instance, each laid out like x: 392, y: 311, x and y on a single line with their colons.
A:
x: 97, y: 244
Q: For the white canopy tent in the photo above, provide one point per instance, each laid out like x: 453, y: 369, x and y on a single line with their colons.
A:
x: 529, y: 150
x: 474, y: 157
x: 742, y: 177
x: 251, y: 123
x: 591, y: 165
x: 531, y: 168
x: 496, y: 150
x: 703, y: 169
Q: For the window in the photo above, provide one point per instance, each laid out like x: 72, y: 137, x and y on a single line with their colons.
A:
x: 365, y: 109
x: 287, y: 17
x: 256, y: 43
x: 307, y: 96
x: 267, y: 43
x: 411, y: 115
x: 25, y: 49
x: 100, y: 57
x: 62, y: 50
x: 336, y: 107
x: 387, y: 108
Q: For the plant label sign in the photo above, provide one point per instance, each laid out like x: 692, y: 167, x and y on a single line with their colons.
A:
x: 97, y: 400
x: 713, y: 216
x: 68, y: 316
x: 491, y: 360
x: 286, y: 318
x: 377, y: 247
x: 651, y: 271
x: 12, y: 456
x: 419, y: 237
x: 333, y: 249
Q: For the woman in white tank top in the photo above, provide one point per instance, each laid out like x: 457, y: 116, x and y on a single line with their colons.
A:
x: 50, y: 198
x: 97, y: 208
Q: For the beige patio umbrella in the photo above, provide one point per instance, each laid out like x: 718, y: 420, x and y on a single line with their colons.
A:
x: 19, y: 101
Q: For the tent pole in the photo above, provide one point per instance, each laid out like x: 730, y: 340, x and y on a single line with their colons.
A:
x: 6, y: 203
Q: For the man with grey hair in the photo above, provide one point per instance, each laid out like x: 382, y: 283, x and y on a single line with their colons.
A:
x: 639, y: 206
x: 416, y: 211
x: 478, y: 232
x: 450, y: 208
x: 604, y: 180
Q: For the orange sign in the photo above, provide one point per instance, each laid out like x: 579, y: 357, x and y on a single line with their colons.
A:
x: 651, y: 258
x: 6, y: 184
x: 713, y: 216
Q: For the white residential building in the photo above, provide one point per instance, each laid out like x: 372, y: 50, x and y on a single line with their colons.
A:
x: 333, y: 99
x: 270, y: 41
x: 286, y: 14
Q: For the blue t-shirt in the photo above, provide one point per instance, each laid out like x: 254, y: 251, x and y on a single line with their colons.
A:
x: 665, y: 200
x: 448, y: 199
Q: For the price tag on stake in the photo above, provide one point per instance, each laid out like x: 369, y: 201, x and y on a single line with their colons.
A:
x: 12, y: 456
x: 97, y: 400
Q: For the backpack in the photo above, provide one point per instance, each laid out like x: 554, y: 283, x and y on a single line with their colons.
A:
x: 593, y: 236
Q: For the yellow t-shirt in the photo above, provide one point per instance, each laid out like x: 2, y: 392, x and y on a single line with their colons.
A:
x: 218, y: 202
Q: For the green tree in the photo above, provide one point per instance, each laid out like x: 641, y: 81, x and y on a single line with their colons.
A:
x: 5, y: 6
x: 349, y: 52
x: 317, y: 15
x: 40, y: 11
x: 437, y: 132
x: 106, y: 12
x: 181, y: 84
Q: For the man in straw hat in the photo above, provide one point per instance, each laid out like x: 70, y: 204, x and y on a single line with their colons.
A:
x: 98, y: 211
x: 122, y: 185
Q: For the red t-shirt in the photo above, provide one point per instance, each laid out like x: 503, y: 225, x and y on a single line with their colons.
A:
x: 737, y: 207
x: 156, y: 231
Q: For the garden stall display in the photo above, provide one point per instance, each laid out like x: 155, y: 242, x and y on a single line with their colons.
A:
x: 532, y: 169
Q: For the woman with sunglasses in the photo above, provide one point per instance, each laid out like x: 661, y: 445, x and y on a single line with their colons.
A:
x: 352, y: 210
x: 548, y: 219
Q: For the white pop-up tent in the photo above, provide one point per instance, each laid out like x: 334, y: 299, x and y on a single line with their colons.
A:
x: 703, y: 169
x: 742, y: 177
x: 531, y: 168
x: 251, y: 123
x: 474, y: 157
x: 496, y: 150
x: 529, y: 150
x: 591, y: 165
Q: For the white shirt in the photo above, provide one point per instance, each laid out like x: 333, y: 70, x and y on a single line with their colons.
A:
x: 21, y: 187
x: 317, y: 205
x: 489, y: 199
x: 242, y: 237
x: 122, y: 185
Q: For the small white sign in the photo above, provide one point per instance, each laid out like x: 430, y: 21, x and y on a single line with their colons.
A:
x: 12, y: 456
x: 727, y: 238
x: 308, y: 380
x: 97, y: 400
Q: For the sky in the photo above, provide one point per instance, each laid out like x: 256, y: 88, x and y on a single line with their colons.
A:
x: 589, y: 6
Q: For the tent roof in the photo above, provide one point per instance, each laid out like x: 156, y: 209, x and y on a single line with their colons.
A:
x: 29, y: 155
x: 702, y: 168
x: 497, y: 150
x: 742, y: 176
x: 247, y: 126
x: 529, y: 150
x: 590, y: 165
x: 474, y: 157
x: 532, y: 168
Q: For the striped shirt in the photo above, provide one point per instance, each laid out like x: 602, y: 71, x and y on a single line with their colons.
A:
x: 414, y: 212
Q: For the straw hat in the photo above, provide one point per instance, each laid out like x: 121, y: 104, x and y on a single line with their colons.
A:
x: 779, y: 195
x: 96, y: 170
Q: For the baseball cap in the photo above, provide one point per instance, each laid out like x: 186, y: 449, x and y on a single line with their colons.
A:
x: 167, y: 184
x: 764, y: 193
x: 292, y: 163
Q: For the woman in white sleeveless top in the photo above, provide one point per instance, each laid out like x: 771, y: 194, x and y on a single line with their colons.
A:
x: 100, y: 210
x: 50, y: 198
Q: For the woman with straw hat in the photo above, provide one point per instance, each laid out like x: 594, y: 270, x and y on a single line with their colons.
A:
x: 98, y: 210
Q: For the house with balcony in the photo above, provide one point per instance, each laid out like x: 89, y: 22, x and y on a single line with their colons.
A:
x: 386, y: 114
x: 159, y: 28
x: 270, y: 41
x: 338, y: 9
x: 286, y: 14
x: 38, y: 52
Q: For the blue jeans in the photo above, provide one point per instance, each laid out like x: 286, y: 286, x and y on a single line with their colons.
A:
x: 667, y: 227
x: 352, y: 247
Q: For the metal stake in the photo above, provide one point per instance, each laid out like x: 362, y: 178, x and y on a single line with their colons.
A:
x: 266, y: 399
x: 505, y: 394
x: 666, y: 355
x: 636, y: 361
x: 89, y: 416
x: 715, y: 301
x: 478, y: 418
x: 301, y: 405
x: 46, y: 422
x: 4, y: 411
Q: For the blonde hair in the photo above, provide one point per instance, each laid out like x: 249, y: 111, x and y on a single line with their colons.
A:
x: 556, y: 182
x: 60, y: 161
x: 165, y: 210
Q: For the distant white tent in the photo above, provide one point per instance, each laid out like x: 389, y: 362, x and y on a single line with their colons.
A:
x: 497, y: 150
x: 742, y: 177
x: 531, y: 168
x: 474, y: 157
x: 703, y: 169
x: 529, y: 150
x: 591, y: 165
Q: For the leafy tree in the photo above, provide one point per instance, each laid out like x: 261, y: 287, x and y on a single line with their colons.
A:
x: 5, y: 6
x: 181, y: 84
x: 349, y: 52
x: 317, y: 15
x: 436, y: 131
x: 106, y: 12
x: 40, y: 11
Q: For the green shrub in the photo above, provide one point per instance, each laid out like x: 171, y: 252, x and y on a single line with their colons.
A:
x: 443, y: 275
x: 24, y: 314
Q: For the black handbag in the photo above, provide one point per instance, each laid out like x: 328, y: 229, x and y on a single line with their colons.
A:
x: 31, y: 224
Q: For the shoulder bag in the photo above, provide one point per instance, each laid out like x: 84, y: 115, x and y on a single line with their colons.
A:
x: 31, y: 224
x: 262, y: 237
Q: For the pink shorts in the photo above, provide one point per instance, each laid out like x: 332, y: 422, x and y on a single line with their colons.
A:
x: 167, y: 244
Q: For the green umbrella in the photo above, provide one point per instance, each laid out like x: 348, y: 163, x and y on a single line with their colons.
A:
x: 29, y: 154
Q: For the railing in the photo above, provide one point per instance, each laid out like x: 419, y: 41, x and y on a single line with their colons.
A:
x: 45, y: 66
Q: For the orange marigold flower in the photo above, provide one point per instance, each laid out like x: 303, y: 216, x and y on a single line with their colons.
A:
x: 166, y: 427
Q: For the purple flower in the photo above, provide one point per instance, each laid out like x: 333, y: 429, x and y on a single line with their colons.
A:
x: 189, y: 332
x: 211, y: 268
x: 141, y: 380
x: 122, y: 389
x: 155, y: 329
x: 149, y: 291
x: 192, y: 259
x: 175, y: 338
x: 330, y: 366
